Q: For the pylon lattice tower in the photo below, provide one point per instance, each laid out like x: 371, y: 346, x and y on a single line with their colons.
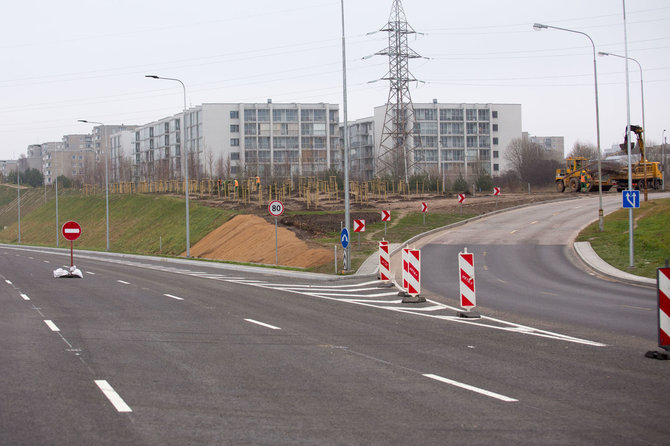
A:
x: 396, y: 151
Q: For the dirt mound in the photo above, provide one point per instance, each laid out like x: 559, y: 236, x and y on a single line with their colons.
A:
x: 250, y: 238
x: 318, y: 224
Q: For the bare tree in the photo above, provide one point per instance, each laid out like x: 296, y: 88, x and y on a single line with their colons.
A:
x: 587, y: 150
x: 528, y: 161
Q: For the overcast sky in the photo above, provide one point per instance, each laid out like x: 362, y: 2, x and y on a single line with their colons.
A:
x: 67, y: 60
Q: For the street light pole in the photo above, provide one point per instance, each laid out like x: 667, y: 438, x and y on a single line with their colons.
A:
x: 184, y: 138
x: 663, y: 140
x: 104, y: 130
x: 540, y: 26
x: 602, y: 53
x: 346, y: 143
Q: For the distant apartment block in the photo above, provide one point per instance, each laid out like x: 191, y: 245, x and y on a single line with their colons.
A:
x: 263, y: 139
x: 553, y: 146
x: 460, y: 139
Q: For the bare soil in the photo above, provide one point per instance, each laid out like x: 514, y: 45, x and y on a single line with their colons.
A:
x: 251, y: 237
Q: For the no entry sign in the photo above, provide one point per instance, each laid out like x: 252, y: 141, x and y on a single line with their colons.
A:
x: 71, y: 230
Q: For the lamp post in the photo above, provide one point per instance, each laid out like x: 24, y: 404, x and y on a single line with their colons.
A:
x: 188, y: 237
x: 602, y: 53
x: 104, y: 130
x: 539, y: 27
x: 347, y: 263
x: 663, y: 141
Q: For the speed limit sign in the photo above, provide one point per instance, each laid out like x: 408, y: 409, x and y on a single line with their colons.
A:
x: 276, y: 208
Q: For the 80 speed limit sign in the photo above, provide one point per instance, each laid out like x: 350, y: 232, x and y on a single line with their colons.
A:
x: 276, y: 208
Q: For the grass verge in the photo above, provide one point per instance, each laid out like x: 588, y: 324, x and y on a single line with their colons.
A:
x: 651, y: 238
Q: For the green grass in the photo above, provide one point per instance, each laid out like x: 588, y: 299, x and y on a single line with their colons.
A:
x: 651, y: 238
x: 137, y: 223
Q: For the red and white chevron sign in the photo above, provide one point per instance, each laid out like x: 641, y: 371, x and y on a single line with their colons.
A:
x: 384, y: 261
x: 413, y: 272
x: 466, y: 266
x: 461, y: 198
x: 496, y: 191
x: 359, y: 225
x: 424, y: 207
x: 663, y: 283
x: 386, y: 215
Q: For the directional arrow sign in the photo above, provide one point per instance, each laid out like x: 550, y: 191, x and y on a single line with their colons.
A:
x: 344, y: 237
x: 496, y: 191
x: 386, y: 215
x: 631, y: 199
x: 359, y: 225
x: 461, y: 198
x: 424, y: 207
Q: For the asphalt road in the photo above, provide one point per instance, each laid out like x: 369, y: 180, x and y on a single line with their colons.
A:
x: 151, y: 352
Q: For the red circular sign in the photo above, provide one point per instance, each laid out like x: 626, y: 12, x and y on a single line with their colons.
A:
x: 276, y: 208
x: 71, y: 230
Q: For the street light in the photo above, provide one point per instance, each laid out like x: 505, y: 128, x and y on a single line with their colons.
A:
x: 539, y: 27
x: 602, y: 53
x: 188, y: 237
x: 106, y: 179
x: 347, y: 217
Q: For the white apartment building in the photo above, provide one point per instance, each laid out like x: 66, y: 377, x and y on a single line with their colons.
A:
x: 460, y: 139
x: 263, y: 139
x: 553, y: 146
x: 362, y: 153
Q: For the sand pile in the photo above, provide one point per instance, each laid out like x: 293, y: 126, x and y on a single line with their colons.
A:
x: 249, y: 238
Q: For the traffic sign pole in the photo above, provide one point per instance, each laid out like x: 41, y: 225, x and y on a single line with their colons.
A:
x: 276, y: 208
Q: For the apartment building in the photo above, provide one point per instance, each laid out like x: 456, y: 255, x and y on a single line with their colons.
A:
x: 460, y: 139
x: 553, y: 145
x: 263, y: 139
x: 362, y: 153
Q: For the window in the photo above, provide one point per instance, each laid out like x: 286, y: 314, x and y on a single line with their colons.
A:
x: 451, y: 128
x: 496, y: 154
x: 495, y: 127
x: 249, y: 114
x: 451, y: 114
x: 425, y: 114
x: 234, y: 170
x: 494, y: 114
x: 426, y: 128
x: 234, y: 128
x: 495, y: 141
x: 234, y: 142
x: 483, y: 115
x: 471, y: 115
x: 496, y: 167
x: 234, y: 114
x: 264, y: 115
x: 235, y: 156
x: 250, y: 129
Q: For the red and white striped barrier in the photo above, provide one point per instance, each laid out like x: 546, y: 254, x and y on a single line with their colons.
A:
x: 663, y: 283
x: 413, y: 272
x: 466, y: 266
x: 384, y: 261
x: 405, y: 270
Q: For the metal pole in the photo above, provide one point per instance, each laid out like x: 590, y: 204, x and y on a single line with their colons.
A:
x: 56, y: 183
x: 276, y: 245
x: 663, y: 140
x: 631, y: 248
x: 539, y: 26
x: 346, y: 140
x: 184, y: 138
x: 18, y: 191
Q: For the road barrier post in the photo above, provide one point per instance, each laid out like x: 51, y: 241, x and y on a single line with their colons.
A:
x: 466, y: 268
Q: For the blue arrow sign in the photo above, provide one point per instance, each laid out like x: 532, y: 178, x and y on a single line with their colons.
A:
x: 631, y: 199
x: 344, y: 237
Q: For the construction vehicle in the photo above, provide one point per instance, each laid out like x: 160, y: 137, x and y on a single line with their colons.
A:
x: 581, y: 174
x: 645, y: 174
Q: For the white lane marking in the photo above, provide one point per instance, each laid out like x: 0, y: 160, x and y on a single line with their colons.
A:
x: 25, y: 297
x: 471, y: 388
x: 513, y: 231
x: 51, y: 325
x: 112, y: 396
x: 174, y: 297
x: 88, y: 272
x: 534, y: 222
x: 45, y: 261
x: 123, y: 282
x: 263, y: 324
x: 9, y: 282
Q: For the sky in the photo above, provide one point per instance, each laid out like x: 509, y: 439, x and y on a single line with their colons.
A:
x: 76, y: 59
